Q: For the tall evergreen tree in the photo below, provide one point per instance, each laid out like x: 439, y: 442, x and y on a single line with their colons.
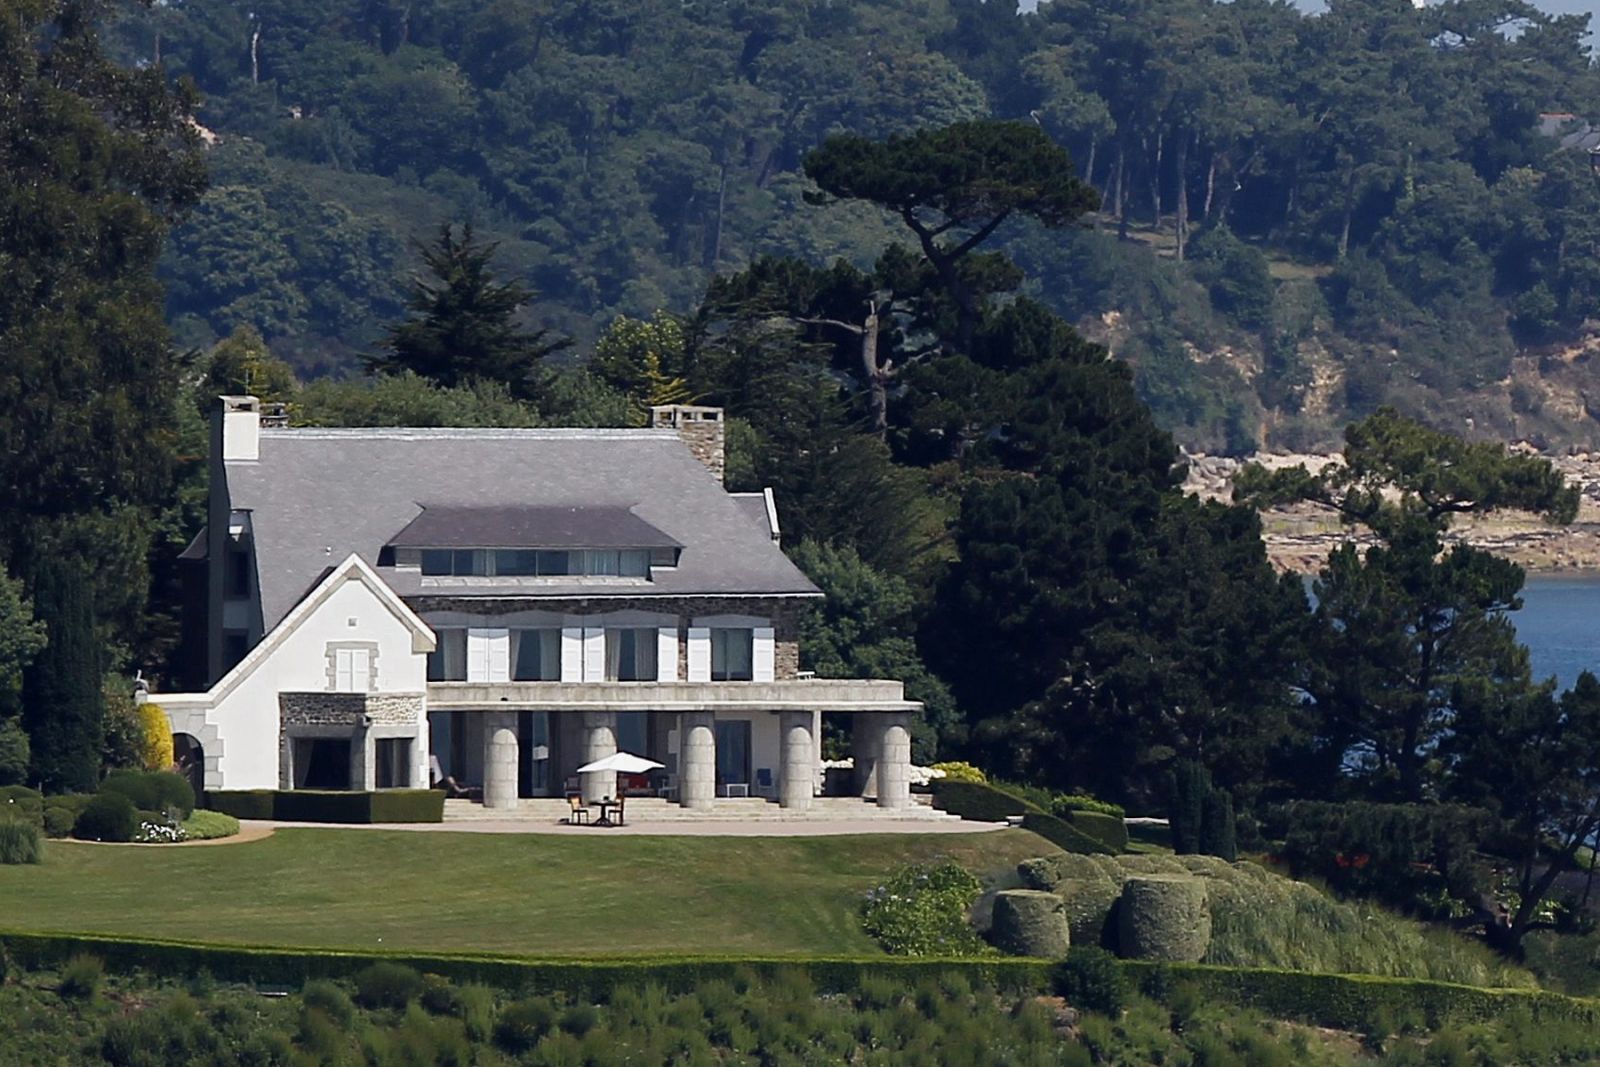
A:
x: 463, y: 323
x: 61, y: 696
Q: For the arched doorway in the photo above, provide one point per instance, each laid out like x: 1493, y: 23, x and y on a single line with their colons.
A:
x: 189, y: 760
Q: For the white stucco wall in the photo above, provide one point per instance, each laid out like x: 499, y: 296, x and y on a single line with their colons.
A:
x: 241, y: 711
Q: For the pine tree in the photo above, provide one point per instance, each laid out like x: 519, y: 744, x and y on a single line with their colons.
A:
x: 463, y: 322
x: 61, y: 699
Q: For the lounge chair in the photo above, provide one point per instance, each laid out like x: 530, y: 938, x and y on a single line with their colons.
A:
x: 765, y: 786
x: 577, y: 811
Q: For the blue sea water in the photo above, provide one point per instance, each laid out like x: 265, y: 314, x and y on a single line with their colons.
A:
x: 1558, y: 624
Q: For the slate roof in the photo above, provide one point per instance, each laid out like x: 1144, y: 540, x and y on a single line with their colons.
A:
x: 448, y: 526
x: 317, y: 495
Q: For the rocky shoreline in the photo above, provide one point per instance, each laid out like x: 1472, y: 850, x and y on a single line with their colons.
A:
x: 1300, y: 538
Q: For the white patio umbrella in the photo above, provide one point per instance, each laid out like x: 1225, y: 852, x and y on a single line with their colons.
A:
x: 622, y: 763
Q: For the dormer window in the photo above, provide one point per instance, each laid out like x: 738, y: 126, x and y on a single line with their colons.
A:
x: 543, y: 563
x: 533, y: 542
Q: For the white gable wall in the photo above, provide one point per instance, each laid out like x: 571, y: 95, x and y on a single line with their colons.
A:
x: 243, y: 706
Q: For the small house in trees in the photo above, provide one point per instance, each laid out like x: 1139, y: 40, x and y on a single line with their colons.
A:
x: 379, y: 608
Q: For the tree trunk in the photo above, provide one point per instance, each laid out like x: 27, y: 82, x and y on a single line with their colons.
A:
x: 156, y: 61
x: 1349, y: 211
x: 1122, y: 189
x: 1211, y: 188
x: 255, y: 55
x: 1155, y: 187
x: 1088, y: 172
x: 714, y: 253
x: 877, y: 377
x: 1180, y: 227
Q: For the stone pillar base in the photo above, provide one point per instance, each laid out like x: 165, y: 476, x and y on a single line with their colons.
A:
x: 894, y: 763
x: 599, y: 741
x: 797, y: 770
x: 500, y: 760
x: 697, y: 759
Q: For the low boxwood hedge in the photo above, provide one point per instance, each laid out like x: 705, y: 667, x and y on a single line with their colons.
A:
x: 979, y: 801
x: 1064, y: 834
x: 1110, y: 830
x: 331, y: 806
x: 152, y: 790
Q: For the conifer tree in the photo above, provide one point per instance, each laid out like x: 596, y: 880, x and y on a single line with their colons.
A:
x: 61, y: 699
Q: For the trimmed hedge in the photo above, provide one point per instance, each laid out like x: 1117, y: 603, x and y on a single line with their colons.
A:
x: 979, y: 801
x: 1030, y: 922
x: 1335, y: 1000
x: 1110, y: 830
x: 331, y: 806
x: 1065, y: 834
x: 1163, y: 917
x: 107, y: 817
x: 209, y: 826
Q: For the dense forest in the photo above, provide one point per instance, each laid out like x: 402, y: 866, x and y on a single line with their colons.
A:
x: 1303, y: 217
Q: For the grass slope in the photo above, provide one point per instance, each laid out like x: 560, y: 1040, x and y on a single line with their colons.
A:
x: 534, y: 894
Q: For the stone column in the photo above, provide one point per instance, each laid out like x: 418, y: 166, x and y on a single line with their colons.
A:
x: 865, y: 734
x: 599, y: 741
x: 697, y: 759
x: 500, y: 759
x: 363, y: 761
x: 797, y: 755
x: 894, y: 762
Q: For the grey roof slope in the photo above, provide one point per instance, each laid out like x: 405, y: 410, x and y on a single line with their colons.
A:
x: 590, y: 526
x: 316, y: 495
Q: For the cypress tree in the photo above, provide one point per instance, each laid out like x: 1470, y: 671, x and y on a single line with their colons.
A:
x: 61, y: 698
x: 1217, y: 834
x: 1189, y: 785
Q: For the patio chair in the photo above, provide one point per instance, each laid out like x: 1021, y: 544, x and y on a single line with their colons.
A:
x: 765, y: 786
x: 577, y: 811
x: 622, y: 802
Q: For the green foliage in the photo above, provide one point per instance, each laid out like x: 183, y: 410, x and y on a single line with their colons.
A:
x: 1075, y: 802
x: 14, y: 752
x: 522, y: 1025
x: 1093, y: 980
x: 58, y: 821
x: 1029, y: 922
x: 152, y: 790
x: 1235, y: 273
x: 462, y: 325
x: 81, y: 977
x: 1405, y: 855
x: 1217, y: 827
x: 110, y: 816
x: 959, y: 771
x: 922, y: 911
x: 209, y: 825
x: 1109, y: 829
x: 1163, y: 917
x: 978, y: 801
x: 22, y: 636
x: 1065, y: 834
x: 312, y: 805
x: 19, y: 840
x: 62, y: 702
x: 20, y: 803
x: 330, y: 999
x: 1188, y: 787
x: 387, y: 985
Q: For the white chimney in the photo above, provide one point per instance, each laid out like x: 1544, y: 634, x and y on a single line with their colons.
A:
x: 241, y: 427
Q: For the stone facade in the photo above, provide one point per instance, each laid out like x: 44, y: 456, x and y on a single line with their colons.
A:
x: 701, y: 428
x: 785, y: 613
x: 347, y: 709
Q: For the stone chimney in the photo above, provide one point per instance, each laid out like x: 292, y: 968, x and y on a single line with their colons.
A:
x: 238, y: 430
x: 701, y: 429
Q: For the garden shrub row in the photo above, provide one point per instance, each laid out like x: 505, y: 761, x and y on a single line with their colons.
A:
x: 331, y: 806
x: 1066, y: 835
x: 1110, y: 830
x: 1342, y: 1001
x: 152, y: 790
x: 979, y: 801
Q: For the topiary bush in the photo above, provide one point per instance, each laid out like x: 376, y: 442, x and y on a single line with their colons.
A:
x: 19, y: 841
x: 1163, y: 917
x: 1217, y: 827
x: 1110, y: 830
x: 1030, y: 922
x: 978, y: 801
x: 152, y: 790
x: 107, y: 817
x: 1065, y: 834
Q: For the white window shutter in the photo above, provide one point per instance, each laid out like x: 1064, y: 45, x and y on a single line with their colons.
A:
x: 594, y: 654
x: 360, y: 670
x: 699, y: 653
x: 572, y: 654
x: 762, y: 652
x: 667, y: 654
x: 499, y: 655
x: 478, y: 655
x: 341, y: 670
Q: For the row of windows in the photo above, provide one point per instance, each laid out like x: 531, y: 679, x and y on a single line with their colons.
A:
x: 534, y: 655
x: 529, y: 562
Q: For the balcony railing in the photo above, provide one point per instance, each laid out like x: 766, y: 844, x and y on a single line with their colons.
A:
x: 812, y: 694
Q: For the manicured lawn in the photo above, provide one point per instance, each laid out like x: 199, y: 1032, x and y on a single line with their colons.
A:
x: 522, y: 894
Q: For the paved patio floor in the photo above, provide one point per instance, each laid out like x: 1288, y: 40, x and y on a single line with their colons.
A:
x: 672, y: 828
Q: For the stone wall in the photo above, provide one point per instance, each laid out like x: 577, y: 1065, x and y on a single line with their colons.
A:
x: 347, y: 709
x: 785, y: 613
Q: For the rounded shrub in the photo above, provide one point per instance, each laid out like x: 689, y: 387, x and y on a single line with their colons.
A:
x: 80, y: 978
x: 522, y: 1024
x: 1091, y: 979
x: 108, y: 817
x: 152, y: 790
x: 21, y: 803
x: 19, y: 841
x: 958, y: 771
x: 387, y: 985
x: 329, y: 998
x: 1089, y: 905
x: 58, y: 821
x: 1163, y: 917
x: 1030, y: 922
x: 204, y: 825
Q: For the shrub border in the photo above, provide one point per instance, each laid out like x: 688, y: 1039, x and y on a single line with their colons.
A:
x: 1343, y: 1001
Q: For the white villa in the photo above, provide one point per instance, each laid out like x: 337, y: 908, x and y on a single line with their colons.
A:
x: 378, y: 608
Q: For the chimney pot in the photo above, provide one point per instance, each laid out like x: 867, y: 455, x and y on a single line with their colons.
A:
x: 701, y: 428
x: 241, y: 427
